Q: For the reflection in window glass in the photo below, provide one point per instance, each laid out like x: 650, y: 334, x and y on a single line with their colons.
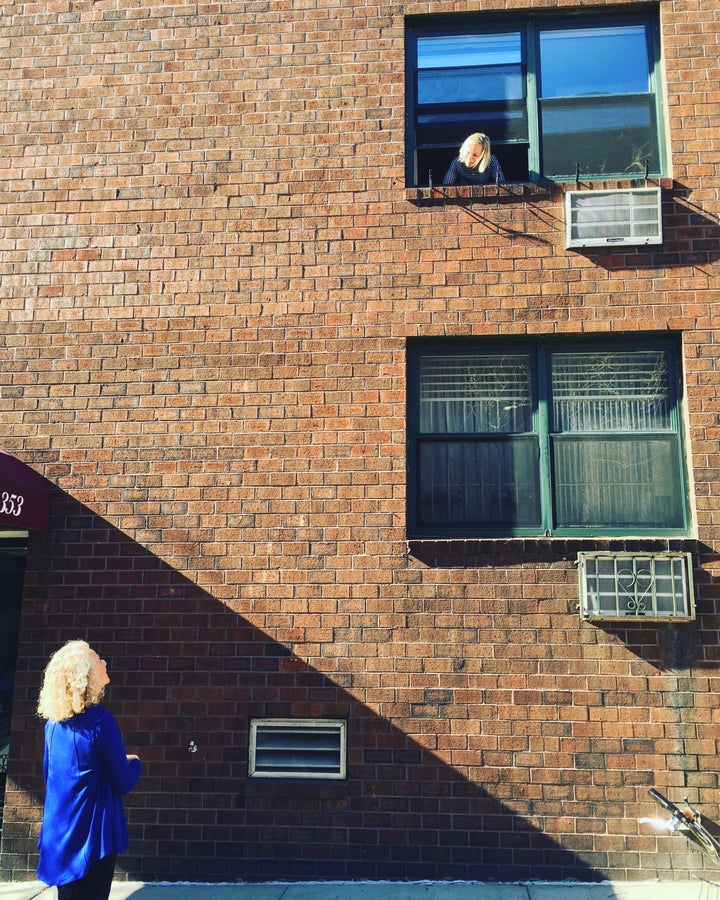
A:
x: 580, y: 61
x: 603, y: 136
x: 462, y: 50
x: 475, y: 395
x: 617, y: 483
x: 469, y: 67
x: 455, y: 85
x: 482, y: 483
x: 626, y: 391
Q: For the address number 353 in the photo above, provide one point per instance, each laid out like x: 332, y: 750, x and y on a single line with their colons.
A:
x: 11, y: 504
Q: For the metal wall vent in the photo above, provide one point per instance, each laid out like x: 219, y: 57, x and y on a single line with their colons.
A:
x: 655, y: 586
x: 606, y: 218
x: 297, y: 748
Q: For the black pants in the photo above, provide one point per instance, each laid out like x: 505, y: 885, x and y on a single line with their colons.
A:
x: 95, y: 885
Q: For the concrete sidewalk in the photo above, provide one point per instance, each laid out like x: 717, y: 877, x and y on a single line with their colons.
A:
x: 333, y: 890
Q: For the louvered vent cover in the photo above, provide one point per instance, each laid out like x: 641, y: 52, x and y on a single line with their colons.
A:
x: 297, y: 748
x: 655, y: 586
x: 606, y: 218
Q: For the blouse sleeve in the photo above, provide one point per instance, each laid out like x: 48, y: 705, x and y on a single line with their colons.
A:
x: 122, y: 772
x: 451, y: 174
x: 496, y: 171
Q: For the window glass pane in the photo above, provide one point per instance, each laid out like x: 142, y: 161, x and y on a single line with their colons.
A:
x: 605, y: 137
x: 446, y: 126
x: 457, y: 50
x: 616, y: 483
x: 606, y: 413
x: 609, y: 60
x: 475, y: 395
x: 462, y: 85
x: 461, y: 68
x: 618, y: 392
x: 479, y: 482
x: 467, y: 83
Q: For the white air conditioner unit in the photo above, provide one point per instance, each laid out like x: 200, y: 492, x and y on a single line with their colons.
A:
x: 606, y: 218
x: 643, y: 586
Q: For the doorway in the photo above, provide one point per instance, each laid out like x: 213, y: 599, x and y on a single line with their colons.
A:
x: 13, y: 553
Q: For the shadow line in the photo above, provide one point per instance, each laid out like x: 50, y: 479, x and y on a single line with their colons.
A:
x: 187, y: 667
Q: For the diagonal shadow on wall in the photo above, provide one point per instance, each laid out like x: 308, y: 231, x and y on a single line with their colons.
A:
x: 186, y: 667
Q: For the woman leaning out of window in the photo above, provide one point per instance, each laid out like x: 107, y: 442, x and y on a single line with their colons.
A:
x: 475, y: 164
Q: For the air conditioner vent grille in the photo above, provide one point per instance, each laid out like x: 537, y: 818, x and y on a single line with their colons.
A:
x: 605, y: 218
x: 297, y: 748
x: 641, y: 586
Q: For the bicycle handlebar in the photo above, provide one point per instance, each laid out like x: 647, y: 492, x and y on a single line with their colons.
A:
x: 684, y: 817
x: 666, y: 804
x: 690, y: 824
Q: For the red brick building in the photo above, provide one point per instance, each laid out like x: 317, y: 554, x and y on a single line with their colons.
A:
x: 330, y: 452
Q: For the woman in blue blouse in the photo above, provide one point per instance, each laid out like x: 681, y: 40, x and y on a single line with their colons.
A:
x: 86, y: 773
x: 475, y: 164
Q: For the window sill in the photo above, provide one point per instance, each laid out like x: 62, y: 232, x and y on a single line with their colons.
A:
x: 492, y: 552
x: 526, y: 191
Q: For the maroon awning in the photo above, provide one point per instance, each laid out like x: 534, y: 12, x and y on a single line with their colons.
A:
x: 24, y: 496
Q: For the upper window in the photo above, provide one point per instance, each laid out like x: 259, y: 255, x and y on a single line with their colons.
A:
x: 544, y: 438
x: 558, y: 98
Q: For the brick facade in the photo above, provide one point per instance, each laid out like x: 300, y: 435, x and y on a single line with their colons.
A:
x: 210, y: 269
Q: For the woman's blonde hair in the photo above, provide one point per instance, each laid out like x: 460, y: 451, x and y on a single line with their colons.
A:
x: 481, y: 140
x: 69, y: 685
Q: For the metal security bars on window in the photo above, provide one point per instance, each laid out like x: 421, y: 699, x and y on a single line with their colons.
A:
x: 653, y: 586
x: 611, y: 391
x: 549, y: 437
x: 613, y: 444
x: 473, y: 393
x: 476, y: 458
x: 298, y: 748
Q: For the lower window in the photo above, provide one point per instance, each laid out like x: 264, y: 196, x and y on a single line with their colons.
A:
x: 546, y: 437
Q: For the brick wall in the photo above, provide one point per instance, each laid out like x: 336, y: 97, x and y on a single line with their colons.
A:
x: 210, y: 269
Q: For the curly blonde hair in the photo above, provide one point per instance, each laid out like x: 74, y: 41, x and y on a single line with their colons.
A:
x: 69, y: 685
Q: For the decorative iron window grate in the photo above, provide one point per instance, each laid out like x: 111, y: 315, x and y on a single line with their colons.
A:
x: 298, y: 748
x: 601, y: 218
x: 655, y: 586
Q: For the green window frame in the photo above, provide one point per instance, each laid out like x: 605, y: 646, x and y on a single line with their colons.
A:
x: 560, y: 97
x: 545, y: 437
